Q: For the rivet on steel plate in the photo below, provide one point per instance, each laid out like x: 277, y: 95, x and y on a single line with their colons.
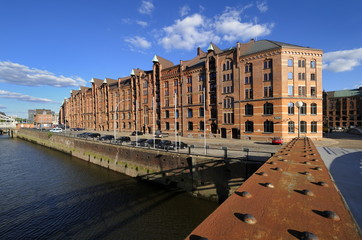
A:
x: 277, y: 169
x: 263, y: 174
x: 307, y: 192
x: 315, y: 160
x: 272, y: 163
x: 249, y: 219
x: 307, y: 163
x: 246, y: 194
x: 305, y: 173
x: 331, y: 215
x: 269, y: 185
x: 283, y: 160
x: 318, y: 168
x: 323, y: 184
x: 308, y: 236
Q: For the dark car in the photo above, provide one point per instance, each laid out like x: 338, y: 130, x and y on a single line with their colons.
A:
x: 106, y: 138
x: 123, y: 139
x: 93, y: 135
x: 134, y: 133
x: 161, y: 135
x: 180, y: 145
x: 140, y: 142
x: 83, y: 135
x: 152, y: 142
x: 165, y: 144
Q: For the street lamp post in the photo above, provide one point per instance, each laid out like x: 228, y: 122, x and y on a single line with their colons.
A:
x: 299, y: 104
x: 114, y: 120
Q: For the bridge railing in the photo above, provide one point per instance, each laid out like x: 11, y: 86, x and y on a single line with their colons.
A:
x: 292, y: 196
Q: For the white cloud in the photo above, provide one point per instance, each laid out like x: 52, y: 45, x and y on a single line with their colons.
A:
x: 262, y: 6
x: 15, y: 73
x: 187, y: 33
x: 341, y: 61
x: 142, y: 23
x: 146, y: 7
x: 24, y: 98
x: 184, y: 10
x: 138, y: 42
x: 197, y: 30
x: 230, y: 26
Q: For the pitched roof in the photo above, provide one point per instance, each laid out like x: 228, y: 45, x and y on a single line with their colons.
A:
x: 264, y: 45
x: 346, y: 93
x: 164, y: 62
x: 97, y: 81
x: 213, y: 47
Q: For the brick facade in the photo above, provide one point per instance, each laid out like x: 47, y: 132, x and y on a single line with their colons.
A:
x: 247, y: 91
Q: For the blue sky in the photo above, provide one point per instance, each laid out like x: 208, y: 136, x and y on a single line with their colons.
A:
x: 48, y: 47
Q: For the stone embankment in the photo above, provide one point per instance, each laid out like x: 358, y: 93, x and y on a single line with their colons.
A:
x: 205, y: 177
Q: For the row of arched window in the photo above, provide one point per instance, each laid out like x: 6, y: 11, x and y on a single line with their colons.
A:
x: 292, y: 127
x: 268, y: 109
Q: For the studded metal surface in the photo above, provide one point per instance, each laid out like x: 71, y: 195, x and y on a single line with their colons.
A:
x: 292, y: 199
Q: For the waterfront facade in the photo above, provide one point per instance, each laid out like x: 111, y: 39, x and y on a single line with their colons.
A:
x: 342, y: 109
x: 248, y: 91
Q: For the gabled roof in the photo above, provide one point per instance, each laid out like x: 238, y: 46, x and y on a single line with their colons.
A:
x: 213, y: 47
x: 264, y: 45
x: 83, y: 89
x: 164, y: 62
x: 96, y: 81
x: 109, y: 81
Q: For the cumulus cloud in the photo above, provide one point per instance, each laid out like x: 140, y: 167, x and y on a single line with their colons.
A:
x: 146, y: 7
x: 262, y: 6
x: 184, y: 10
x: 138, y: 42
x: 142, y: 23
x: 24, y: 98
x: 341, y: 61
x: 198, y: 30
x: 188, y: 33
x: 15, y: 73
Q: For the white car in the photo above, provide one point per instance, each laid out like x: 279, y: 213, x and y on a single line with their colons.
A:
x: 56, y: 130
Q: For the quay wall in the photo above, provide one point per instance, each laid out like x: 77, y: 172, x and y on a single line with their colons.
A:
x: 190, y: 173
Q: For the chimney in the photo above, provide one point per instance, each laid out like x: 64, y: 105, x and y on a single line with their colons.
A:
x: 198, y: 51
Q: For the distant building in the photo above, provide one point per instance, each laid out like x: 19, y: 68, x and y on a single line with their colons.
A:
x: 248, y: 91
x: 43, y: 118
x: 342, y: 109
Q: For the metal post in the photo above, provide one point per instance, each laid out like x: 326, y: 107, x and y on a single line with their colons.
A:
x: 204, y: 121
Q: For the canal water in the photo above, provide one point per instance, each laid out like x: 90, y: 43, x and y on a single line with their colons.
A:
x: 46, y: 194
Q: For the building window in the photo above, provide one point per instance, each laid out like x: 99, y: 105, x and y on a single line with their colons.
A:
x: 166, y: 84
x: 290, y: 108
x: 201, y: 98
x: 268, y: 127
x: 313, y: 127
x: 190, y: 126
x: 189, y: 79
x: 201, y: 126
x: 248, y: 93
x: 291, y: 127
x: 312, y: 76
x: 249, y: 110
x: 290, y: 75
x: 177, y: 115
x: 303, y: 109
x: 301, y: 63
x: 268, y: 109
x: 201, y: 112
x: 177, y: 126
x: 267, y: 64
x: 268, y: 77
x: 303, y: 126
x: 301, y: 90
x: 248, y: 67
x: 189, y: 89
x: 313, y: 91
x: 189, y: 112
x: 268, y: 91
x: 167, y: 92
x: 167, y: 114
x: 249, y: 80
x: 312, y: 64
x: 167, y: 127
x: 167, y: 103
x: 175, y: 82
x: 290, y: 62
x: 202, y: 77
x: 189, y: 99
x: 301, y: 76
x: 290, y: 90
x: 228, y: 118
x: 249, y: 126
x: 228, y: 103
x: 313, y: 109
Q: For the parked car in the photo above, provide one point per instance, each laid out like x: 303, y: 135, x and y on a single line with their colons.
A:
x: 140, y: 142
x: 106, y: 138
x: 136, y: 132
x: 165, y: 144
x: 152, y: 142
x: 123, y: 139
x: 277, y: 140
x: 161, y: 135
x: 76, y: 129
x: 93, y: 135
x: 83, y: 135
x: 56, y: 130
x: 181, y: 145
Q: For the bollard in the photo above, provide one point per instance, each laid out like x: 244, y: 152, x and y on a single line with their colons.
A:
x: 225, y: 152
x: 190, y: 146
